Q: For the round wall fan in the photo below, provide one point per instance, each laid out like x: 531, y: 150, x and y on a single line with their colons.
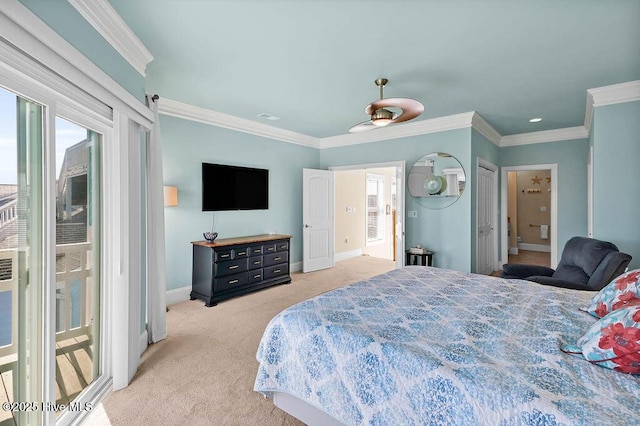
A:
x: 383, y: 111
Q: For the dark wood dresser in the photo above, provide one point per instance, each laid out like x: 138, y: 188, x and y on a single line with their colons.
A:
x: 233, y: 266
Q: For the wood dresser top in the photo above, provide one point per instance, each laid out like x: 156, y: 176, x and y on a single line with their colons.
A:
x: 241, y: 240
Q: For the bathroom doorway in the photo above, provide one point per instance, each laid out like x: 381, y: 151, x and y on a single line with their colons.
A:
x: 529, y: 200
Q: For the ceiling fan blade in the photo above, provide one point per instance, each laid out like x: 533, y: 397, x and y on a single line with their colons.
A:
x: 362, y: 127
x: 410, y: 108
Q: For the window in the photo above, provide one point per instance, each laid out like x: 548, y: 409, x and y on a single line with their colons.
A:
x: 375, y: 208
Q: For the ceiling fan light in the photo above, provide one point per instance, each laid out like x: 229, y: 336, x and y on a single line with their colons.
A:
x: 381, y: 122
x: 381, y: 117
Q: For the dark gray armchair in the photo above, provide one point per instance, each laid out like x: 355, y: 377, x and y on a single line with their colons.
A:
x: 586, y: 264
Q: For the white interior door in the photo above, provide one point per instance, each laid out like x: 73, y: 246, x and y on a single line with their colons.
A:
x: 485, y: 259
x: 317, y: 219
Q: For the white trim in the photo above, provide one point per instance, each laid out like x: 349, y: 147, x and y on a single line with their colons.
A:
x: 535, y: 247
x: 588, y: 112
x: 590, y: 193
x: 104, y: 18
x: 625, y: 92
x: 347, y: 255
x: 569, y: 133
x: 22, y: 69
x: 553, y: 226
x: 177, y: 295
x: 608, y: 95
x: 433, y: 125
x: 485, y: 129
x: 295, y: 267
x: 207, y: 116
x: 144, y: 342
x: 25, y: 30
x: 616, y: 93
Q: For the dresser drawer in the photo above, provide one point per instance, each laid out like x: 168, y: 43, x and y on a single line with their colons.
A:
x: 255, y: 262
x: 254, y: 276
x: 269, y: 248
x: 241, y: 252
x: 255, y: 250
x: 230, y: 267
x: 282, y: 246
x: 222, y: 255
x: 275, y: 258
x: 275, y: 271
x: 229, y: 281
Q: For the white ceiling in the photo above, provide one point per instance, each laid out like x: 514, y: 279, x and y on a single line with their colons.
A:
x: 312, y: 63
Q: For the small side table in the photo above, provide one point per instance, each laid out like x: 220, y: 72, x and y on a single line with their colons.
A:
x: 428, y: 256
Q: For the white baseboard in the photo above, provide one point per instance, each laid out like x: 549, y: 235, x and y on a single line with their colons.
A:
x: 347, y: 255
x: 144, y: 341
x: 178, y: 295
x: 295, y: 267
x: 535, y: 247
x: 513, y: 250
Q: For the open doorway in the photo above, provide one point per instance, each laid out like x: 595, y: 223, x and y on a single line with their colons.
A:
x: 368, y: 211
x: 529, y: 215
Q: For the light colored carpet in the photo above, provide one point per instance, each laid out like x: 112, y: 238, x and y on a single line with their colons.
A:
x: 203, y: 373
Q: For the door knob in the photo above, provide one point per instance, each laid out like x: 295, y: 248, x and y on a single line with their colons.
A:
x: 307, y: 226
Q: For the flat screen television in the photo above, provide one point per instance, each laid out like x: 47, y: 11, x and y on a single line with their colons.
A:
x: 226, y: 187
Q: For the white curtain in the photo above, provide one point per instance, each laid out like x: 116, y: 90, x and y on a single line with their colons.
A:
x: 157, y: 280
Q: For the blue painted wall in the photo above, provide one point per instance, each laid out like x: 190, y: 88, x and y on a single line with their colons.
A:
x: 481, y: 147
x: 571, y: 158
x: 616, y: 175
x: 71, y: 25
x: 185, y: 146
x: 446, y: 231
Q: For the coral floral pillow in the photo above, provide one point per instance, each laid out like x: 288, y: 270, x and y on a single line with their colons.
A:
x: 619, y: 293
x: 613, y: 341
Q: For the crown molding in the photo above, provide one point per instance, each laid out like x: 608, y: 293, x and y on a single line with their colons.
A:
x: 569, y: 133
x: 218, y: 119
x: 616, y: 93
x: 609, y: 95
x: 104, y: 18
x: 485, y: 129
x: 433, y: 125
x: 588, y: 112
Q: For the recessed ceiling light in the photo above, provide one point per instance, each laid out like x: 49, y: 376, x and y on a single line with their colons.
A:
x: 535, y: 120
x: 266, y: 116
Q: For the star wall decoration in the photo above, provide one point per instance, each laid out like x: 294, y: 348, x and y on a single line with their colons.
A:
x: 536, y: 180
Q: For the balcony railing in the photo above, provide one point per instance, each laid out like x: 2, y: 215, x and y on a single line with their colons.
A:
x: 74, y: 309
x: 9, y: 296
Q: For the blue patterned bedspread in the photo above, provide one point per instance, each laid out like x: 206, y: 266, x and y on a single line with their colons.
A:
x: 422, y: 346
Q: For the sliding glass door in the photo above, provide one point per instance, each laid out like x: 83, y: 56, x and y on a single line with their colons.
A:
x: 50, y: 263
x: 21, y: 259
x: 77, y: 246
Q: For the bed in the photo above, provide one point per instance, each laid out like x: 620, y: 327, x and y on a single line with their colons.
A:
x: 422, y: 345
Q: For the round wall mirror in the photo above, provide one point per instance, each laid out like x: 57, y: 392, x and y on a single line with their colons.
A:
x: 436, y: 180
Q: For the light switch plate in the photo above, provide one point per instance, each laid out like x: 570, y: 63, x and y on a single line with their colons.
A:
x: 412, y: 213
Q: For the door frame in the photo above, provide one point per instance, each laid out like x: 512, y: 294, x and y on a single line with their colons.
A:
x: 481, y: 162
x: 553, y: 225
x: 400, y: 201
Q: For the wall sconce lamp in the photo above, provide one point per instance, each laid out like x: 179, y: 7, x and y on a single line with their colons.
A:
x: 170, y: 196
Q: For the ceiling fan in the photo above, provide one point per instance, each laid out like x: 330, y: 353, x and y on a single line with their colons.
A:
x: 381, y: 115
